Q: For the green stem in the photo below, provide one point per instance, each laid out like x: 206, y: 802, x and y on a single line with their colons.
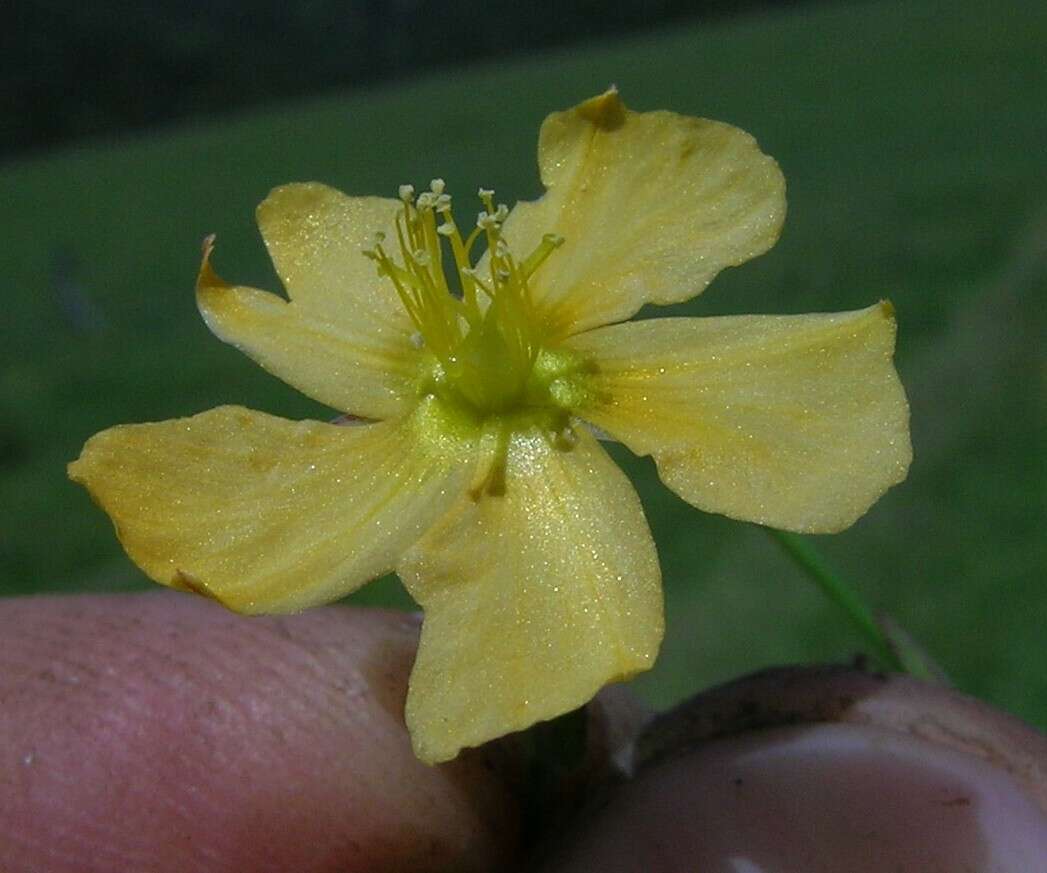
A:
x: 834, y: 588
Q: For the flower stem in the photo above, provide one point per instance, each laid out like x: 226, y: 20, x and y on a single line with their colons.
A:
x: 833, y: 587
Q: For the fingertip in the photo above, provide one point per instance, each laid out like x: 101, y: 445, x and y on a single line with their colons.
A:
x: 793, y: 771
x: 162, y: 730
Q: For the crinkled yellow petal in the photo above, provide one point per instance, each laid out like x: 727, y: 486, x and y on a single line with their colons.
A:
x: 534, y: 599
x: 797, y: 422
x: 359, y: 368
x: 652, y: 206
x: 269, y: 515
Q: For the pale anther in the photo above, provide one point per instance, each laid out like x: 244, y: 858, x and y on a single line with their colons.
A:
x: 407, y: 193
x: 485, y: 192
x: 501, y: 213
x: 446, y: 229
x: 437, y: 186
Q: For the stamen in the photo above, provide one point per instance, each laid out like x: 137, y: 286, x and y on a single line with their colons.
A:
x: 565, y: 438
x: 550, y: 242
x: 486, y: 349
x: 489, y: 473
x: 472, y: 238
x: 477, y: 281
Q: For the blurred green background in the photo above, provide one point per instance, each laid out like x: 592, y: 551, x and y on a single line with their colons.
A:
x: 912, y: 136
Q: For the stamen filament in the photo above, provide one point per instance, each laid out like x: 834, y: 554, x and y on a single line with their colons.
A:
x: 550, y: 243
x: 470, y: 240
x: 493, y: 449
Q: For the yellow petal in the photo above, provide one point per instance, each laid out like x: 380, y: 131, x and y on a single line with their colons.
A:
x: 316, y: 236
x: 797, y: 422
x: 344, y: 339
x: 533, y: 599
x: 372, y: 375
x: 652, y: 206
x: 264, y: 514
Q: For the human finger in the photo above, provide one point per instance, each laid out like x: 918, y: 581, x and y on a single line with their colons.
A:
x: 817, y: 771
x: 160, y: 732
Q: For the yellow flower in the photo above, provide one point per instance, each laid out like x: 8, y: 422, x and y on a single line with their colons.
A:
x: 473, y: 476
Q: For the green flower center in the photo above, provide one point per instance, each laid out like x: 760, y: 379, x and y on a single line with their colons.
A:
x: 489, y: 358
x: 493, y: 371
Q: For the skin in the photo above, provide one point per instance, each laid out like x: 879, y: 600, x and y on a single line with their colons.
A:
x: 159, y: 732
x: 816, y: 799
x: 823, y: 769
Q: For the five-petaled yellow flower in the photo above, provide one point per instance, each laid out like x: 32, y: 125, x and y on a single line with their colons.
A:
x: 473, y: 475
